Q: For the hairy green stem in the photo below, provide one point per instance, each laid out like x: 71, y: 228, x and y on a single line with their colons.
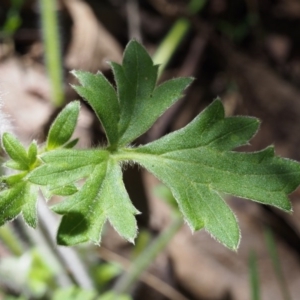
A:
x: 126, y: 282
x: 52, y: 49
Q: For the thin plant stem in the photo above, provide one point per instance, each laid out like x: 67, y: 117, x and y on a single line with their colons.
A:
x: 10, y: 240
x: 68, y: 255
x: 272, y: 249
x: 53, y: 57
x: 37, y: 237
x: 170, y: 43
x: 152, y: 281
x: 174, y: 37
x: 254, y: 277
x: 126, y: 282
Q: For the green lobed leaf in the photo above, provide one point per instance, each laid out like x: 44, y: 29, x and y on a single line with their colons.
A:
x: 11, y: 201
x: 11, y: 180
x: 29, y: 208
x: 65, y: 166
x: 21, y: 197
x: 32, y: 153
x: 63, y: 126
x: 102, y: 197
x: 102, y: 97
x: 71, y: 144
x: 15, y: 150
x: 137, y: 105
x: 198, y: 169
x: 66, y: 190
x: 197, y: 163
x: 135, y: 79
x: 140, y: 103
x: 12, y: 164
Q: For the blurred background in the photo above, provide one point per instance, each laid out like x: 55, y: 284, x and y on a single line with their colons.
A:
x: 245, y: 51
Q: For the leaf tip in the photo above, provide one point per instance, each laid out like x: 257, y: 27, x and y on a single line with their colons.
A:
x: 232, y: 243
x: 61, y: 241
x: 287, y: 207
x: 131, y: 240
x: 235, y: 248
x: 218, y: 99
x: 74, y: 72
x: 96, y: 243
x: 194, y: 227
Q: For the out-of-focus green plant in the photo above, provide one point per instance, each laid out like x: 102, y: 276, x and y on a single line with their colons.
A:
x: 254, y: 277
x: 174, y: 37
x: 273, y: 253
x: 75, y: 293
x: 13, y: 19
x: 253, y: 268
x: 104, y: 273
x: 53, y: 56
x: 237, y: 32
x: 28, y: 273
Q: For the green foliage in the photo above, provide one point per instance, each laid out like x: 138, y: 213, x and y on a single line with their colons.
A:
x: 75, y: 293
x: 198, y: 169
x: 28, y: 273
x: 52, y: 46
x: 104, y: 273
x: 18, y: 195
x: 132, y: 110
x: 13, y: 298
x: 197, y: 163
x: 63, y: 127
x: 114, y: 296
x: 254, y: 276
x: 274, y: 256
x: 13, y: 19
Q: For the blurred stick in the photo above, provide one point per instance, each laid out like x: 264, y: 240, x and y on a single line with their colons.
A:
x: 133, y: 20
